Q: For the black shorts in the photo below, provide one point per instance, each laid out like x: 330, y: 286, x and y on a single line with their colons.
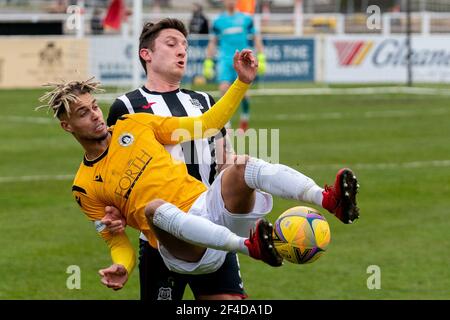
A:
x: 159, y: 283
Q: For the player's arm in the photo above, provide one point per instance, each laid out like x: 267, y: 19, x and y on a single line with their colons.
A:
x: 122, y: 252
x: 114, y: 221
x: 222, y: 145
x: 178, y: 129
x: 123, y: 257
x: 175, y: 130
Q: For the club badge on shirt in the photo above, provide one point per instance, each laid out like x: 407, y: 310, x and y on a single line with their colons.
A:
x: 196, y: 104
x: 126, y: 139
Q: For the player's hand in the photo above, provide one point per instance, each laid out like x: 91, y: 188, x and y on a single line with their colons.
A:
x: 261, y: 63
x: 208, y: 69
x: 114, y: 277
x: 113, y: 220
x: 246, y: 65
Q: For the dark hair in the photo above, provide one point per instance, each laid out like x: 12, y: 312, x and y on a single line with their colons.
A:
x: 151, y: 31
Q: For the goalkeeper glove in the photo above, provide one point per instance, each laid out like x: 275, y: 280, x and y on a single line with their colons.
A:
x: 261, y: 63
x: 208, y: 69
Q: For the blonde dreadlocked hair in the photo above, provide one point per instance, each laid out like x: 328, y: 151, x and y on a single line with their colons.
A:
x: 64, y: 93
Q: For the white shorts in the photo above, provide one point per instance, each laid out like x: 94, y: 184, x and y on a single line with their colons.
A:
x: 210, y: 205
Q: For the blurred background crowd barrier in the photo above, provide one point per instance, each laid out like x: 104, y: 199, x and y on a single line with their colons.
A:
x: 329, y: 41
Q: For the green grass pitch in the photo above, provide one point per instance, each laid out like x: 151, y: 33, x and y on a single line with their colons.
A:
x: 398, y: 145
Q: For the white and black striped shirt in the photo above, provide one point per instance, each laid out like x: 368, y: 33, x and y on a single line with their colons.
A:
x: 199, y: 155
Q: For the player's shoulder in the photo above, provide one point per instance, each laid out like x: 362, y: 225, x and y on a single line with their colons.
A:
x: 137, y: 122
x: 81, y: 181
x: 190, y: 91
x: 196, y: 94
x: 125, y: 104
x: 128, y: 97
x: 136, y: 118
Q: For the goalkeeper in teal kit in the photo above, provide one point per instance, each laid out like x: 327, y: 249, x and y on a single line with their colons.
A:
x: 232, y: 30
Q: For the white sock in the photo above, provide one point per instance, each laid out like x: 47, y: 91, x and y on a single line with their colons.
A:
x: 282, y: 181
x: 197, y: 230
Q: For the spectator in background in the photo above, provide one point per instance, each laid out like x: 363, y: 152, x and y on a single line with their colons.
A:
x: 199, y: 23
x: 97, y: 22
x: 232, y: 30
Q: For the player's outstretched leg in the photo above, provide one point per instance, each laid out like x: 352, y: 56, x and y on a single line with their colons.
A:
x: 285, y: 182
x: 340, y: 199
x: 260, y: 244
x: 199, y: 231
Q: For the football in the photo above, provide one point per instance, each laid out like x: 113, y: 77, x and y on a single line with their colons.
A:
x: 301, y: 235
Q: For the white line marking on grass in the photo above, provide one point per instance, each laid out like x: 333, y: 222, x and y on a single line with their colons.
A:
x: 405, y: 113
x: 347, y: 91
x: 284, y: 116
x: 60, y: 177
x: 366, y: 166
x: 34, y: 120
x: 388, y: 165
x: 109, y: 97
x: 367, y: 114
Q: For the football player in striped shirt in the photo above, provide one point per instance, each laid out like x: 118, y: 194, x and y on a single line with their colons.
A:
x: 127, y: 166
x: 163, y: 57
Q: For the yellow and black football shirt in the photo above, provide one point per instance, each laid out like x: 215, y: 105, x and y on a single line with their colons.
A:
x: 136, y: 168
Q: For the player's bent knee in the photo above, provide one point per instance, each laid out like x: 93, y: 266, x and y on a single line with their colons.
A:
x: 240, y: 162
x: 234, y: 175
x: 241, y: 159
x: 151, y: 207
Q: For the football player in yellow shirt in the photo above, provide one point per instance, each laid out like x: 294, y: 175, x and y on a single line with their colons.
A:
x: 126, y: 166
